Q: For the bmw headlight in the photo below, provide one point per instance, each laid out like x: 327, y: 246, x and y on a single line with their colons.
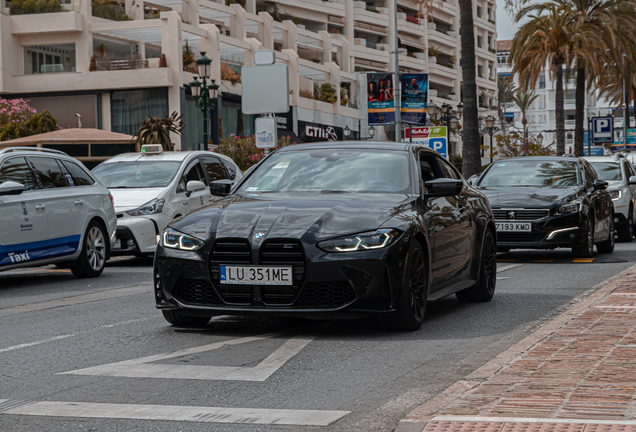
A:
x: 615, y: 194
x: 360, y: 242
x: 151, y: 207
x: 573, y: 207
x: 177, y: 240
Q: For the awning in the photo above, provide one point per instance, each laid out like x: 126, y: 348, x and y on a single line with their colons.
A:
x: 412, y: 41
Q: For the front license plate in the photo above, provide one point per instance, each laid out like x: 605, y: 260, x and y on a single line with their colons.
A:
x: 251, y: 275
x: 513, y: 226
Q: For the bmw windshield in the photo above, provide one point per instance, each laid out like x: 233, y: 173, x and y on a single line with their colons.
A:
x: 331, y: 171
x: 531, y: 173
x: 145, y: 174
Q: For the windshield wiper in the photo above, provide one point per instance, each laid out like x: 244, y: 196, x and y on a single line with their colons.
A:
x: 327, y: 191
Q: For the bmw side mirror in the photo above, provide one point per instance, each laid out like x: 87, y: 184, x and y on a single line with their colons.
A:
x: 600, y: 185
x: 443, y: 187
x: 11, y: 188
x: 221, y: 187
x: 632, y: 180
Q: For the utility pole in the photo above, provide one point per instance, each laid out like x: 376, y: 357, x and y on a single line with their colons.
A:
x: 394, y: 43
x: 625, y: 107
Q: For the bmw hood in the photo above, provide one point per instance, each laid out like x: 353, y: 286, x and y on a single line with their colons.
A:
x: 130, y: 199
x: 289, y: 216
x: 530, y: 197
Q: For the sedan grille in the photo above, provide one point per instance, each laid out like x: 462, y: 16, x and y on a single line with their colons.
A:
x: 194, y: 291
x: 326, y: 295
x: 520, y: 214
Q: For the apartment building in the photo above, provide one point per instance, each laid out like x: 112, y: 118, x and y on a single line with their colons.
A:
x: 116, y: 62
x: 542, y: 115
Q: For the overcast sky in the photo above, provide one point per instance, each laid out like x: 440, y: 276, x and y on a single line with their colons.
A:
x: 505, y: 27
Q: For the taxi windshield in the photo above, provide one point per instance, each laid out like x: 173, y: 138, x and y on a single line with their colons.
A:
x: 134, y: 174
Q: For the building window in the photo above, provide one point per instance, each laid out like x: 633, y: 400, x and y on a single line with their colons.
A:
x: 479, y: 11
x: 131, y: 107
x: 541, y: 81
x: 479, y: 41
x: 194, y: 126
x: 234, y: 121
x: 49, y: 58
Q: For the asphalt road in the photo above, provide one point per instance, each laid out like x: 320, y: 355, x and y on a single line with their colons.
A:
x: 78, y: 355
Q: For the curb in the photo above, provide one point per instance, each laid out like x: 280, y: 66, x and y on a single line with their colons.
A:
x: 416, y: 420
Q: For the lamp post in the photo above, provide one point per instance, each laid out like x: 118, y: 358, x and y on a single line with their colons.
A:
x: 205, y: 94
x: 444, y: 115
x: 346, y: 132
x: 489, y: 129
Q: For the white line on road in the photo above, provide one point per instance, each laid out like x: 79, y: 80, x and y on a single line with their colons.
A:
x: 172, y: 413
x: 508, y: 267
x: 30, y: 344
x: 126, y: 322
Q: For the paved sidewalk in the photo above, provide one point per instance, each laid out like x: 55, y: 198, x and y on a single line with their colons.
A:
x: 577, y: 375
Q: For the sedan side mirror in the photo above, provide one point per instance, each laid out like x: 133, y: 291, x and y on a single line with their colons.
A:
x: 443, y: 187
x: 11, y: 188
x: 221, y: 187
x: 632, y: 180
x: 195, y: 186
x: 600, y: 185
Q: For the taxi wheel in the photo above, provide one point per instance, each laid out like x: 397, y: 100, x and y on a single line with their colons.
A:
x: 607, y: 246
x: 484, y: 290
x: 92, y: 257
x: 184, y: 320
x: 412, y: 307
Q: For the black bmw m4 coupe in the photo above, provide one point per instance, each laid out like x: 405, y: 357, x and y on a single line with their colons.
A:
x: 331, y: 230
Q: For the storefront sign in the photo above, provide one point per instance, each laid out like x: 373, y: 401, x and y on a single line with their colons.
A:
x: 285, y: 121
x: 313, y: 132
x: 414, y: 97
x: 432, y: 137
x: 381, y: 105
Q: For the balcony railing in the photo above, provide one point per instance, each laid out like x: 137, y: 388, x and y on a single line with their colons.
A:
x: 30, y: 7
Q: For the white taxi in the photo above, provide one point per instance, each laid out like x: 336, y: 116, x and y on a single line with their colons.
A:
x: 52, y: 210
x: 153, y: 187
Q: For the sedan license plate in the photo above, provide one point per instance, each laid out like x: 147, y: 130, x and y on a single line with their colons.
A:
x: 514, y: 226
x: 251, y: 275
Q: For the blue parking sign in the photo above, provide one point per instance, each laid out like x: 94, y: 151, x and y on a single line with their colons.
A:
x: 602, y: 129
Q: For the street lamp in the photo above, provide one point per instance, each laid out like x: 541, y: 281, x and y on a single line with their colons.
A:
x: 540, y: 138
x: 444, y: 114
x: 204, y: 94
x: 371, y: 132
x: 489, y: 129
x: 346, y: 132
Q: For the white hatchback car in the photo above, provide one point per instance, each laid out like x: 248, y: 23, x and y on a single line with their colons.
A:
x: 52, y: 210
x: 153, y: 187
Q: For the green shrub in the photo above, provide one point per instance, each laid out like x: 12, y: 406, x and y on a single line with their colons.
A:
x: 29, y: 7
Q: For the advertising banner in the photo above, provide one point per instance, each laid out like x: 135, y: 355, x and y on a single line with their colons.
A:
x: 380, y: 96
x: 414, y: 98
x: 433, y: 137
x: 631, y: 136
x: 314, y: 132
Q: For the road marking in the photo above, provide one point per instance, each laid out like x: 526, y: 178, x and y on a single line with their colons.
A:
x: 30, y: 344
x: 172, y: 413
x: 78, y: 299
x: 141, y: 367
x: 125, y: 322
x: 508, y: 267
x: 583, y: 260
x: 530, y: 420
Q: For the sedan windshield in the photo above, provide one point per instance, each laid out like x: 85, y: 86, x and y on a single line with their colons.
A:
x: 607, y: 170
x: 136, y: 174
x: 531, y: 173
x: 331, y: 171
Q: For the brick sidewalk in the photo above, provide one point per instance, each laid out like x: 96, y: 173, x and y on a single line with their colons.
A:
x: 582, y: 375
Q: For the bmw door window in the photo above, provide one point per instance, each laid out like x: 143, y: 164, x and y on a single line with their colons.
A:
x: 17, y: 170
x: 214, y: 168
x: 531, y: 173
x: 80, y: 177
x: 607, y: 170
x: 49, y: 172
x: 136, y: 174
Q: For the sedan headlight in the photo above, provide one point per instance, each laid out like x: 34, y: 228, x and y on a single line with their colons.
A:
x: 151, y: 207
x: 573, y: 207
x: 177, y: 240
x: 360, y: 242
x: 615, y: 194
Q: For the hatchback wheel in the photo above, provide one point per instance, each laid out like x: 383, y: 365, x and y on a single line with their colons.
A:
x: 92, y: 258
x: 484, y: 290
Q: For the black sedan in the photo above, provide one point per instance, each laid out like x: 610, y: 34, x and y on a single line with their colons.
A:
x: 549, y: 203
x: 336, y: 230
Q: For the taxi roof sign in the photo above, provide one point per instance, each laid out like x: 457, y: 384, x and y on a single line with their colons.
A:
x: 149, y: 149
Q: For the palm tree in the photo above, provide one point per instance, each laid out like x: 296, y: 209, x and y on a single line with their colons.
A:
x: 156, y: 130
x: 505, y: 89
x: 524, y: 100
x: 547, y: 38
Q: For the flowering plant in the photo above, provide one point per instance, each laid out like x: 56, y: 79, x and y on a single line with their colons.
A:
x: 15, y: 111
x: 412, y: 19
x: 243, y: 150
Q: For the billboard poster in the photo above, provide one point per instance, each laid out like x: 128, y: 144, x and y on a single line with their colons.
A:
x: 433, y: 137
x: 381, y: 103
x: 631, y: 136
x: 314, y: 132
x: 414, y: 97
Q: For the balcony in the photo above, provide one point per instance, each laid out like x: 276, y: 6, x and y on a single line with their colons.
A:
x: 30, y: 7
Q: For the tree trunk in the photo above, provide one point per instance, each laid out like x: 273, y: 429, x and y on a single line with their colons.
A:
x: 470, y: 150
x: 579, y: 116
x: 560, y: 114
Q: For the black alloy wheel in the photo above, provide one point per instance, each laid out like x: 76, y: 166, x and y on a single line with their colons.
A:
x: 626, y: 232
x: 412, y: 307
x: 185, y: 320
x: 586, y: 250
x: 484, y: 289
x: 607, y: 246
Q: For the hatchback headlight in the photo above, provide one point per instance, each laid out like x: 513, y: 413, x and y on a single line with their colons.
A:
x: 177, y: 240
x: 151, y: 207
x: 573, y: 207
x: 615, y: 194
x: 360, y: 242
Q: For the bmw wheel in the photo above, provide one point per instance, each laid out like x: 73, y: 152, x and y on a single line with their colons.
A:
x: 586, y: 250
x: 484, y: 290
x: 92, y: 257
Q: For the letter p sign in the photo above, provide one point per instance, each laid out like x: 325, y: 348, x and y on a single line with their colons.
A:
x: 602, y: 129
